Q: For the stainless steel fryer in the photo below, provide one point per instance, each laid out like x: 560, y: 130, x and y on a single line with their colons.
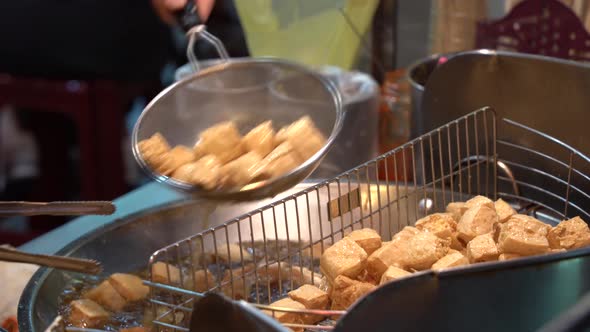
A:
x: 463, y: 158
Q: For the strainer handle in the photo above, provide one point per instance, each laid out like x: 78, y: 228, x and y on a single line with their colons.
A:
x: 188, y: 18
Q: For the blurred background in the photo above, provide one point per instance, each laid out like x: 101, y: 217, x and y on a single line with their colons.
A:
x: 75, y: 75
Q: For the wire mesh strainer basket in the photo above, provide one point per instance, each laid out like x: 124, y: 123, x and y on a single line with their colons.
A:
x: 278, y: 246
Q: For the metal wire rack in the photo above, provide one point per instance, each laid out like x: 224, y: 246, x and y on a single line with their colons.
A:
x: 260, y: 256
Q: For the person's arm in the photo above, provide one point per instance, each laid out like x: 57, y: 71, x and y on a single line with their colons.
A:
x: 165, y: 8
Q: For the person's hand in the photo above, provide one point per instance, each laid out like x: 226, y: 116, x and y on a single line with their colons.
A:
x: 165, y: 8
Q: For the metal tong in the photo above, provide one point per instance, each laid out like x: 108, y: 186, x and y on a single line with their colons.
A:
x: 21, y: 208
x: 58, y: 262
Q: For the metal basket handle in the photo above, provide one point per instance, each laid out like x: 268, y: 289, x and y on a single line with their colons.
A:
x: 188, y: 19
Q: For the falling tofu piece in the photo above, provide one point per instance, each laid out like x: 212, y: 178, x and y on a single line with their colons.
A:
x: 233, y: 254
x: 240, y: 171
x: 129, y: 286
x: 440, y: 224
x: 154, y: 146
x: 205, y: 172
x: 87, y: 314
x: 393, y: 273
x: 165, y: 273
x: 424, y: 249
x: 452, y: 259
x: 391, y: 253
x: 203, y: 281
x: 508, y: 256
x: 478, y: 201
x: 282, y: 271
x: 261, y: 139
x: 346, y: 291
x: 237, y: 283
x: 569, y: 234
x: 287, y: 317
x: 523, y: 235
x: 504, y: 210
x: 304, y: 136
x: 367, y: 238
x: 456, y: 209
x: 315, y: 251
x: 222, y: 140
x: 106, y: 295
x: 482, y: 249
x: 279, y: 161
x: 344, y: 257
x: 312, y: 298
x: 477, y: 220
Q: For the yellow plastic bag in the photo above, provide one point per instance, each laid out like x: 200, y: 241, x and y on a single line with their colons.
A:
x: 313, y: 32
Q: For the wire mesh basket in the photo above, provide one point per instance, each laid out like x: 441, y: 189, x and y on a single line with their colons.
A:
x: 261, y: 255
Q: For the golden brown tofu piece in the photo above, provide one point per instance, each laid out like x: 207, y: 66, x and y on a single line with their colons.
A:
x: 344, y: 257
x: 310, y: 296
x: 106, y: 295
x: 87, y: 314
x: 478, y: 201
x: 391, y: 253
x: 440, y: 224
x: 153, y: 148
x: 243, y: 280
x: 276, y: 272
x: 393, y: 273
x: 261, y: 139
x: 241, y: 171
x: 346, y: 291
x: 279, y: 161
x: 165, y: 273
x: 452, y: 259
x: 569, y: 234
x: 287, y: 317
x: 203, y: 281
x: 456, y: 209
x: 482, y: 249
x: 129, y: 286
x: 233, y: 253
x: 424, y: 249
x: 304, y: 136
x: 477, y: 220
x: 205, y: 172
x: 507, y: 256
x: 405, y: 234
x: 367, y: 238
x: 504, y: 210
x: 222, y: 140
x: 523, y: 235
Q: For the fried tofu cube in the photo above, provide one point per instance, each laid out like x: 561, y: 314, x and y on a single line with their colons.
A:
x: 440, y: 224
x: 507, y: 256
x: 154, y: 150
x: 424, y: 249
x: 205, y: 172
x: 478, y: 201
x: 392, y: 253
x: 482, y: 249
x: 165, y: 273
x: 304, y: 136
x: 241, y: 286
x: 287, y: 317
x: 203, y: 281
x: 452, y: 259
x: 222, y: 140
x: 344, y: 257
x: 233, y: 254
x: 310, y: 296
x: 279, y: 161
x: 241, y: 171
x: 569, y: 234
x: 504, y: 210
x: 87, y: 314
x: 477, y: 220
x: 523, y: 235
x: 106, y: 295
x: 367, y: 238
x: 456, y: 209
x: 346, y: 291
x: 129, y: 286
x: 393, y: 273
x: 261, y: 139
x: 405, y: 234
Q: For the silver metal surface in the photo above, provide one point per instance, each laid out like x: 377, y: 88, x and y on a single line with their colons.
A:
x: 64, y: 263
x: 451, y: 163
x: 71, y: 208
x: 247, y: 92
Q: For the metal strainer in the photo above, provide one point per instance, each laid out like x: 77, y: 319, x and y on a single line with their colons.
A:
x: 247, y: 91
